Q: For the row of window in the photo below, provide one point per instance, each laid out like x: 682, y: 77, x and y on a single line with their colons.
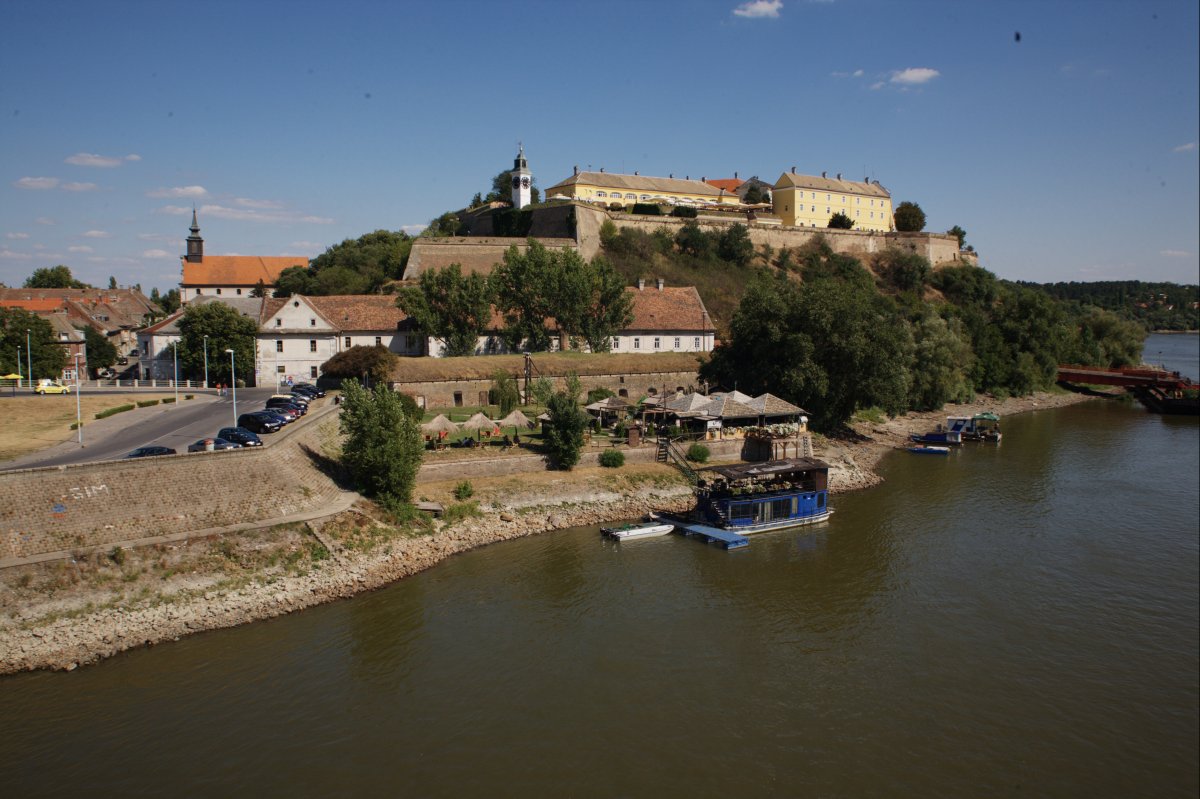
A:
x: 637, y: 342
x: 410, y: 342
x: 857, y: 200
x: 282, y: 370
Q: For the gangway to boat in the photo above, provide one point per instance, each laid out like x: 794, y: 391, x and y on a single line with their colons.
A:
x: 725, y: 538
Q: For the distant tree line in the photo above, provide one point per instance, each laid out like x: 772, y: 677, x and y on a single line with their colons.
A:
x: 1156, y: 306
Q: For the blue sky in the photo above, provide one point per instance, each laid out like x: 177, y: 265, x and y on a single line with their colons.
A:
x: 1068, y: 155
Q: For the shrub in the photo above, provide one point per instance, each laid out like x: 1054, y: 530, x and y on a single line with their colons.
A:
x: 458, y: 512
x: 189, y: 396
x: 647, y: 209
x: 698, y: 453
x: 612, y: 459
x: 117, y: 555
x: 616, y: 207
x: 599, y: 393
x: 683, y: 212
x: 168, y: 400
x: 112, y: 411
x: 464, y: 490
x: 146, y: 403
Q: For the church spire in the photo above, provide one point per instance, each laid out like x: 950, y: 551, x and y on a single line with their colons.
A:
x: 195, y: 244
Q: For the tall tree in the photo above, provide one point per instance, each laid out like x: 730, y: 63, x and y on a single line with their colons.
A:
x: 563, y: 436
x: 112, y: 282
x: 959, y: 234
x: 524, y: 287
x: 591, y: 300
x: 383, y: 446
x: 226, y: 329
x: 840, y: 221
x: 54, y: 277
x: 100, y: 351
x: 449, y: 305
x: 377, y: 257
x: 20, y: 329
x: 909, y: 218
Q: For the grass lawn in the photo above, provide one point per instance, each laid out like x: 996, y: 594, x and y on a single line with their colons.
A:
x: 33, y: 422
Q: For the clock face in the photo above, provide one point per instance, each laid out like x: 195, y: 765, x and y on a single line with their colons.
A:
x: 525, y: 183
x: 516, y: 182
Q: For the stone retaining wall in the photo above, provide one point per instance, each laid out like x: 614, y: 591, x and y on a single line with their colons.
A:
x: 442, y: 393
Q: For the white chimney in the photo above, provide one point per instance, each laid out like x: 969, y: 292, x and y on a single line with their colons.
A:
x: 659, y: 282
x: 641, y: 283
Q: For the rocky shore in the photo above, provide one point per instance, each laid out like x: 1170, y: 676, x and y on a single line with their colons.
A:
x: 71, y: 625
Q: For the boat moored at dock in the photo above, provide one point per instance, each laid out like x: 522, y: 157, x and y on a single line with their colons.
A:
x: 980, y: 427
x: 755, y: 497
x: 629, y: 532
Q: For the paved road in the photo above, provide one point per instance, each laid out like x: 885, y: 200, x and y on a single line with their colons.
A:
x: 172, y: 425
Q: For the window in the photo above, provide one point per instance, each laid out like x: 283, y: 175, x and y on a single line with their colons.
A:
x: 218, y: 291
x: 239, y: 291
x: 858, y: 213
x: 637, y: 343
x: 199, y: 292
x: 312, y: 322
x: 280, y: 369
x: 696, y: 342
x: 279, y: 345
x: 827, y: 209
x: 312, y: 345
x: 677, y: 342
x: 826, y: 198
x: 656, y: 342
x: 457, y: 399
x: 616, y: 342
x: 630, y: 196
x: 278, y: 323
x: 601, y: 194
x: 312, y: 372
x: 379, y: 341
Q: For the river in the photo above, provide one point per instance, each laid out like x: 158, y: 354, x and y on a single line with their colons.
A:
x: 1020, y: 619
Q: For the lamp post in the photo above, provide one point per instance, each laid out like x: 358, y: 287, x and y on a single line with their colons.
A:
x: 233, y: 384
x: 206, y: 360
x: 19, y: 367
x: 29, y: 356
x: 175, y: 353
x: 78, y: 409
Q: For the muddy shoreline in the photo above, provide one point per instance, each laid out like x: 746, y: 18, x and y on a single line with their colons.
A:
x: 32, y: 638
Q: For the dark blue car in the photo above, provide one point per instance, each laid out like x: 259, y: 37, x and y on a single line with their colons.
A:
x: 240, y: 435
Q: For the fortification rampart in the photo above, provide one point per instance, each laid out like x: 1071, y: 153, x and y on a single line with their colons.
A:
x: 474, y: 391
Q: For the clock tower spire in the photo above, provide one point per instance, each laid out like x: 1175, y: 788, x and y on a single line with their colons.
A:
x: 522, y: 180
x: 195, y: 244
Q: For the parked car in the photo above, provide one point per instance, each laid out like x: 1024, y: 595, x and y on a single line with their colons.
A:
x: 45, y: 387
x: 293, y: 399
x: 105, y: 374
x: 283, y: 406
x: 240, y: 435
x: 289, y: 413
x: 149, y: 452
x: 309, y: 388
x: 212, y: 445
x: 259, y: 422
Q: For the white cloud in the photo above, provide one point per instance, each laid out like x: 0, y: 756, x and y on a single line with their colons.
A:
x: 97, y: 234
x: 80, y: 248
x: 1185, y: 148
x: 914, y: 76
x: 16, y: 235
x: 248, y: 214
x: 759, y: 9
x: 178, y: 192
x: 413, y: 230
x: 858, y: 73
x: 79, y: 187
x: 133, y: 157
x: 36, y: 183
x: 878, y: 85
x: 1175, y: 253
x: 156, y: 254
x: 92, y: 159
x: 44, y: 220
x: 246, y: 202
x: 14, y: 256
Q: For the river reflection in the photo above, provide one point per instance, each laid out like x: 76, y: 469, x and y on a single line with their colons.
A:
x: 1020, y: 618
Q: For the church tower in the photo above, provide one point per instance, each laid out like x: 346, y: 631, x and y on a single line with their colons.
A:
x: 195, y: 244
x: 522, y: 181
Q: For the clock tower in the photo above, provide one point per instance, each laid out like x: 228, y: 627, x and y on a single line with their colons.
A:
x: 522, y: 180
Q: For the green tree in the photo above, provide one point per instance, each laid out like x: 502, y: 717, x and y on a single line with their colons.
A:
x: 756, y: 195
x: 942, y: 361
x: 376, y: 257
x: 502, y: 189
x: 504, y: 392
x: 112, y: 282
x: 1102, y: 338
x: 959, y: 234
x: 260, y: 289
x: 169, y: 302
x: 590, y: 300
x: 734, y: 245
x: 829, y: 346
x: 226, y: 329
x: 563, y: 436
x: 448, y: 224
x: 383, y: 446
x: 694, y: 241
x: 372, y: 364
x: 905, y: 271
x: 840, y: 221
x: 54, y: 277
x: 449, y: 305
x: 18, y: 326
x: 100, y: 351
x: 525, y: 290
x: 909, y: 217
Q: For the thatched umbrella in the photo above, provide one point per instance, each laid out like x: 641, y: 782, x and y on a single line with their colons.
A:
x: 516, y: 419
x: 439, y: 424
x: 479, y: 422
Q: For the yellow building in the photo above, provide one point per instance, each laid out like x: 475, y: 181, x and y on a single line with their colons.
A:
x: 609, y: 187
x: 809, y: 201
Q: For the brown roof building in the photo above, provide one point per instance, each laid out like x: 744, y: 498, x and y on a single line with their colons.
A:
x: 228, y: 275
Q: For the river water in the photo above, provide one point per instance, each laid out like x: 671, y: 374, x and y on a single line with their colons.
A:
x: 1019, y: 619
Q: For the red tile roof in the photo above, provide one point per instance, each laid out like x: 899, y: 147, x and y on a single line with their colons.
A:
x: 728, y: 184
x: 360, y: 311
x: 34, y: 306
x: 669, y: 308
x: 238, y: 270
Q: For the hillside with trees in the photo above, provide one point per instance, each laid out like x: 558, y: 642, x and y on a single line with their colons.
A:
x: 1156, y: 306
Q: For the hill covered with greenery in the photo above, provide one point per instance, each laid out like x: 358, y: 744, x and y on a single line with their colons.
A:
x: 1157, y: 306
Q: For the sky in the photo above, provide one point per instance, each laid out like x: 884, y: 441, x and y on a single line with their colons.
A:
x: 1062, y: 136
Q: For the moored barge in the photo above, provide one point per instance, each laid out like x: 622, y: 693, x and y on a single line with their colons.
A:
x: 755, y: 497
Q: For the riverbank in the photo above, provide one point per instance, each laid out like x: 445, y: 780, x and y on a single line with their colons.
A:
x: 64, y: 614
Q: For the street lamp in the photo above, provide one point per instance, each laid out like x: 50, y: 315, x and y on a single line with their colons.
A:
x: 206, y: 360
x: 233, y: 384
x: 78, y: 410
x: 19, y: 367
x: 175, y: 352
x: 29, y: 356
